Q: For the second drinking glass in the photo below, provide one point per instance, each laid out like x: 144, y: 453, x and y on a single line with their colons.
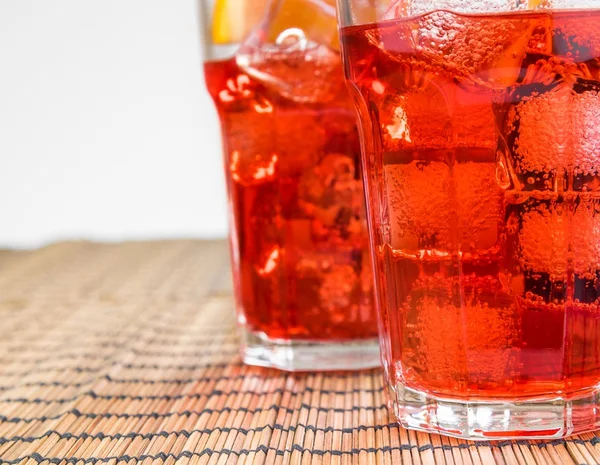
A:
x: 299, y: 243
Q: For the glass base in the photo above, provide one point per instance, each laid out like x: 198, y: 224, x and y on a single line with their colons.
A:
x: 490, y: 420
x: 306, y: 355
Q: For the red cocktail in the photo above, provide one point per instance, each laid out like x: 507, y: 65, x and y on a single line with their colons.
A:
x: 482, y: 155
x: 298, y: 229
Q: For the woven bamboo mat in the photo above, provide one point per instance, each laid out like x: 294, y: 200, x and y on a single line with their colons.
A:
x: 127, y: 353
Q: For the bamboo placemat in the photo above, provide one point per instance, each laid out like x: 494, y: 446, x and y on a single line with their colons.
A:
x: 126, y: 353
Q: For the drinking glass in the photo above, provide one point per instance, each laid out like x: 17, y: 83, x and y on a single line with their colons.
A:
x: 480, y: 130
x: 298, y: 234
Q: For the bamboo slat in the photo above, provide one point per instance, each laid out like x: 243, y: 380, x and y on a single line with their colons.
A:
x: 126, y: 353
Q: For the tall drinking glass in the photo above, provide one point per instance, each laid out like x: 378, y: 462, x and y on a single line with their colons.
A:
x: 480, y: 126
x: 298, y: 230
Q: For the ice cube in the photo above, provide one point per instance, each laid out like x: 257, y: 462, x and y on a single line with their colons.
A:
x: 339, y: 282
x: 332, y: 196
x: 558, y: 48
x: 473, y: 121
x: 338, y: 174
x: 254, y: 169
x: 417, y: 196
x: 295, y: 57
x: 541, y: 131
x: 557, y: 131
x: 248, y: 128
x: 438, y: 116
x: 543, y: 240
x: 578, y: 35
x: 339, y: 125
x: 330, y: 183
x: 553, y: 239
x: 456, y: 45
x: 417, y: 119
x: 478, y: 203
x: 437, y: 208
x: 299, y: 140
x: 477, y: 356
x: 269, y: 269
x: 270, y: 263
x: 585, y: 133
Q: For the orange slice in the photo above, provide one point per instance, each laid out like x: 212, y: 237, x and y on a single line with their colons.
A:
x: 234, y: 19
x: 316, y: 18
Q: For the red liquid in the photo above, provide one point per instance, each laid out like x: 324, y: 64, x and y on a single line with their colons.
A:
x: 482, y: 155
x: 299, y: 237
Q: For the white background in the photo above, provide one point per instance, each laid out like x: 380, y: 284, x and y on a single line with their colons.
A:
x: 106, y: 130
